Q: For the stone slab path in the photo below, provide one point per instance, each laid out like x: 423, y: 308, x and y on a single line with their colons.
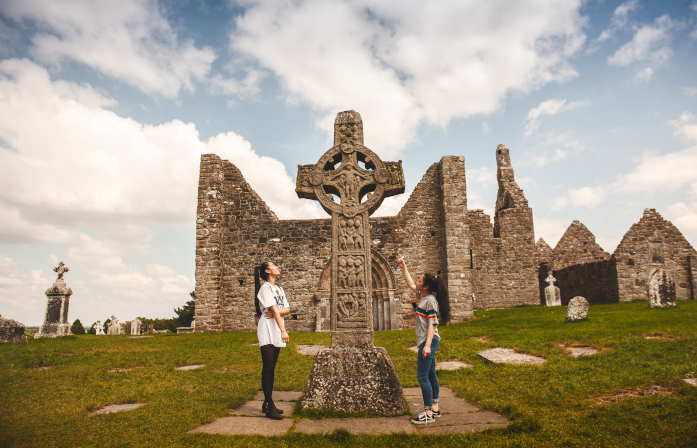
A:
x: 509, y: 356
x: 458, y: 417
x: 582, y: 351
x: 452, y: 365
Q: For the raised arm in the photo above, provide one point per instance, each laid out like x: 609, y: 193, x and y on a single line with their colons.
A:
x: 405, y: 271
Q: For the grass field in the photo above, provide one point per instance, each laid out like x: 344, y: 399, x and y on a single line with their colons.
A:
x: 564, y: 402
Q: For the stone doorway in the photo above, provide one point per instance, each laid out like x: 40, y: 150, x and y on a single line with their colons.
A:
x: 384, y: 305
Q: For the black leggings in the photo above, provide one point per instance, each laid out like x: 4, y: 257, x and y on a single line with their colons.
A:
x: 269, y: 356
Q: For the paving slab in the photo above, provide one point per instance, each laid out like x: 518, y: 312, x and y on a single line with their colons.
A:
x: 246, y: 426
x: 509, y: 356
x: 111, y: 409
x: 452, y: 365
x: 253, y: 408
x: 280, y: 395
x: 378, y: 425
x: 459, y: 429
x: 447, y: 405
x: 416, y: 392
x: 194, y: 367
x: 583, y: 351
x: 691, y: 381
x: 309, y: 350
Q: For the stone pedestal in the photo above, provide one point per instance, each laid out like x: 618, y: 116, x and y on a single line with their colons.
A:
x: 12, y: 331
x: 353, y: 379
x: 56, y: 319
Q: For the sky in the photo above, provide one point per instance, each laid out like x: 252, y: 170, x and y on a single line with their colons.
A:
x: 106, y: 108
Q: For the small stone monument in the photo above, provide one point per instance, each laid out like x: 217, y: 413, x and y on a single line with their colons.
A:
x: 577, y: 310
x: 552, y: 294
x: 114, y: 327
x: 135, y: 326
x: 98, y: 328
x: 12, y: 331
x: 350, y: 182
x: 56, y: 319
x: 661, y: 289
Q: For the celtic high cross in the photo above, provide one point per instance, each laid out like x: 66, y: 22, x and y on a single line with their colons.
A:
x: 350, y: 182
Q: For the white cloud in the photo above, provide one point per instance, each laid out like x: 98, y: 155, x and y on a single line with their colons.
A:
x: 588, y: 197
x: 690, y: 90
x: 619, y: 17
x: 486, y: 129
x: 644, y: 75
x: 403, y: 64
x: 684, y: 216
x: 649, y: 46
x: 130, y: 40
x: 549, y: 107
x: 22, y: 291
x: 550, y: 230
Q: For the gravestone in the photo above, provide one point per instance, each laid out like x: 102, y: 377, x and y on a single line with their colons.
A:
x: 552, y: 294
x: 135, y: 327
x: 114, y: 327
x: 12, y: 331
x: 98, y: 328
x: 577, y: 310
x: 661, y: 289
x: 350, y: 182
x: 56, y: 318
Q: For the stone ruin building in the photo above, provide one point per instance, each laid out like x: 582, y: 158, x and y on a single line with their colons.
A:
x: 434, y: 232
x: 651, y: 253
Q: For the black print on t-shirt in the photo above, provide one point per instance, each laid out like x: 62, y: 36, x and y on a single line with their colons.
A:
x: 278, y: 298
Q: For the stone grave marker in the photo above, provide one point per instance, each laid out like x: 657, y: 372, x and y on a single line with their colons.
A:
x: 12, y: 331
x: 114, y: 326
x: 577, y: 310
x: 552, y: 294
x: 661, y: 289
x: 135, y: 326
x: 350, y: 182
x: 98, y: 328
x: 56, y: 318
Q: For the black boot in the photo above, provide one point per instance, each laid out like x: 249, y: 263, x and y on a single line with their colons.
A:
x: 264, y: 407
x: 272, y: 412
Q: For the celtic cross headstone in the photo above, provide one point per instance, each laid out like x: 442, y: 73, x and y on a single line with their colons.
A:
x: 350, y: 182
x: 552, y: 293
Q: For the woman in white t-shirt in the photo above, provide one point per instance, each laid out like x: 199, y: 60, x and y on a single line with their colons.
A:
x: 271, y: 305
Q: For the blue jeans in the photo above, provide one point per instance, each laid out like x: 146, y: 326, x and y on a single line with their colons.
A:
x: 426, y: 374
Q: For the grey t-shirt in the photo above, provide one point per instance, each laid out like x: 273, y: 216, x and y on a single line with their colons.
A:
x: 426, y: 314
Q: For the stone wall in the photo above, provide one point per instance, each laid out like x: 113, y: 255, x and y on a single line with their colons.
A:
x: 577, y: 245
x: 654, y: 243
x: 596, y: 281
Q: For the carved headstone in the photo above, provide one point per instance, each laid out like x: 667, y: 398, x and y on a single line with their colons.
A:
x: 350, y: 182
x: 98, y: 328
x: 114, y: 327
x: 552, y: 294
x: 12, y: 331
x: 577, y: 310
x: 135, y: 326
x: 661, y: 289
x: 56, y: 318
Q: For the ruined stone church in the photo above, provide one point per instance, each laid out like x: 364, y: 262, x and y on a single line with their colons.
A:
x: 434, y: 232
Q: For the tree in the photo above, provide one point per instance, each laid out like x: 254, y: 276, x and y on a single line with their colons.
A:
x: 185, y: 315
x: 77, y: 327
x: 105, y: 326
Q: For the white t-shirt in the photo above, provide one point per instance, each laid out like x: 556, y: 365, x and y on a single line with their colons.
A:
x: 268, y: 330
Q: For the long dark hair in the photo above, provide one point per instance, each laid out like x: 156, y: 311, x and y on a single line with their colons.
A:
x: 259, y: 272
x: 435, y: 286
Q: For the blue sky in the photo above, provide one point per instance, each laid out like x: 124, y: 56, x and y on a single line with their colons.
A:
x: 106, y: 107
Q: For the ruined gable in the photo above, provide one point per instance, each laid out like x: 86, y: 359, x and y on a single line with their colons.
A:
x: 543, y: 252
x: 576, y: 246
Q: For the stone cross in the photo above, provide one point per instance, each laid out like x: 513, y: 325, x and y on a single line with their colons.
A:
x: 56, y: 322
x: 550, y: 279
x: 552, y: 293
x: 350, y: 182
x: 61, y: 269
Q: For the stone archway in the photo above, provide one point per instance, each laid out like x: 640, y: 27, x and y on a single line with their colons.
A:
x: 384, y: 306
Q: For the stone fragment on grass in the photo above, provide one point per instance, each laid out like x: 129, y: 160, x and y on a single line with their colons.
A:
x: 12, y: 331
x: 691, y: 381
x: 117, y: 408
x: 577, y: 310
x: 582, y: 351
x: 193, y: 367
x: 509, y: 356
x: 452, y: 365
x: 309, y: 350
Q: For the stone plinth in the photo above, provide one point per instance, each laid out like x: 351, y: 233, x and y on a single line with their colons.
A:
x: 56, y: 319
x: 353, y: 379
x: 12, y: 331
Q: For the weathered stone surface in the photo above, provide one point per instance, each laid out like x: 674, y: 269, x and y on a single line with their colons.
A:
x: 12, y: 331
x: 353, y: 379
x: 577, y: 246
x: 98, y: 328
x: 310, y: 350
x: 583, y: 351
x: 246, y: 426
x: 192, y: 367
x: 135, y: 326
x: 661, y: 289
x: 380, y: 425
x: 552, y: 294
x: 577, y: 310
x: 56, y: 322
x: 452, y: 365
x: 114, y: 327
x: 691, y: 381
x: 509, y: 356
x: 280, y: 395
x: 111, y: 409
x: 253, y: 408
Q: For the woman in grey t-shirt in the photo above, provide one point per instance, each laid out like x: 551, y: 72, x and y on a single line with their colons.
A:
x: 433, y: 296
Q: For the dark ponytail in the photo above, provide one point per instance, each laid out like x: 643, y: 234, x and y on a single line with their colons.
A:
x: 436, y: 286
x: 259, y: 271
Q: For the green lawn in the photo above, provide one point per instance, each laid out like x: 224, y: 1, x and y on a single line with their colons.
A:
x: 554, y: 404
